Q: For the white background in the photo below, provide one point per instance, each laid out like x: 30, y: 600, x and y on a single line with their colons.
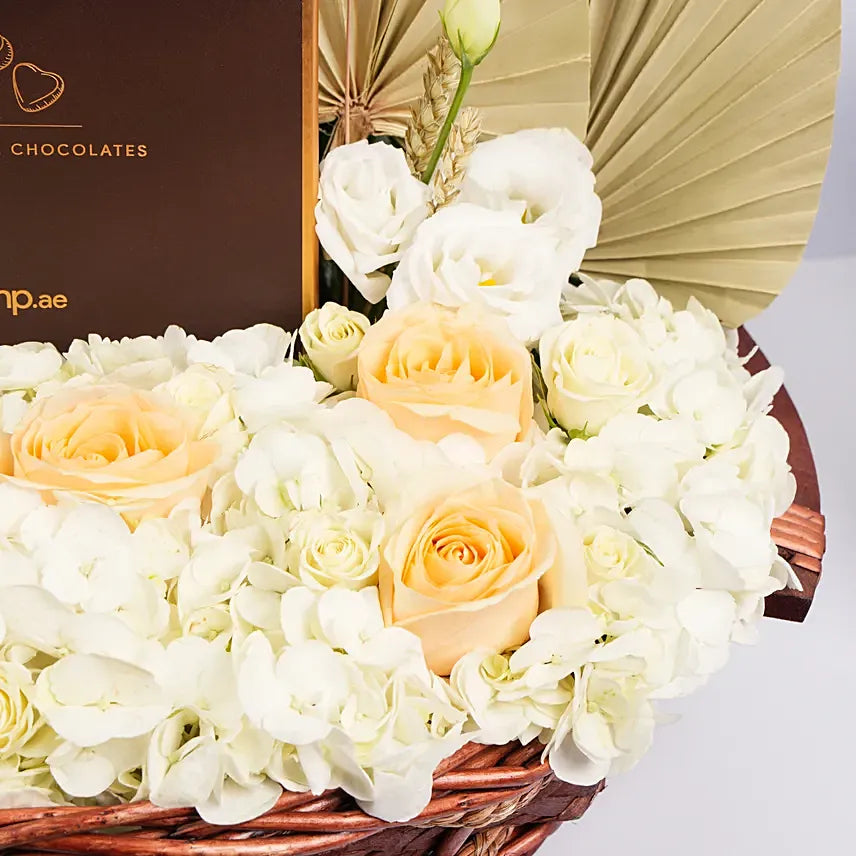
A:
x: 762, y: 761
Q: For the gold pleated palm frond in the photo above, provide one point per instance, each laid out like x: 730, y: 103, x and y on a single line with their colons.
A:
x: 710, y: 124
x: 537, y: 75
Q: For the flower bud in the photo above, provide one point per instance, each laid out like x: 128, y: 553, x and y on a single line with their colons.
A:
x: 331, y: 336
x: 472, y: 27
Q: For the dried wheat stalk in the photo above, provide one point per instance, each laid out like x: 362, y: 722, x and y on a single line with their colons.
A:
x: 427, y: 117
x: 450, y: 173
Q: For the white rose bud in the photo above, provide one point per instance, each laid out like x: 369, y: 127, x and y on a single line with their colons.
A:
x: 595, y: 367
x: 472, y: 27
x: 369, y: 205
x: 335, y: 550
x: 331, y: 337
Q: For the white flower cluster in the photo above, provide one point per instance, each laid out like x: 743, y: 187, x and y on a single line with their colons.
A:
x: 213, y: 658
x: 526, y: 214
x: 664, y: 472
x: 222, y: 576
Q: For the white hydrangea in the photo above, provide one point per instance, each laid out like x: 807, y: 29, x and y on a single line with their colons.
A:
x: 379, y: 722
x: 655, y: 456
x: 144, y: 362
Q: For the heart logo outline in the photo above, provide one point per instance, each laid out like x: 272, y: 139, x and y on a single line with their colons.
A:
x: 42, y: 102
x: 7, y: 53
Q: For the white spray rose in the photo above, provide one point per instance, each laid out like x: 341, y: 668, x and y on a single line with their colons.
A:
x: 24, y: 367
x: 595, y: 367
x: 370, y: 204
x: 19, y: 720
x: 466, y: 254
x: 331, y: 337
x: 327, y: 550
x: 544, y: 176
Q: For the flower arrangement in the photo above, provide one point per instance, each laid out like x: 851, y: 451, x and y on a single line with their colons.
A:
x: 514, y: 504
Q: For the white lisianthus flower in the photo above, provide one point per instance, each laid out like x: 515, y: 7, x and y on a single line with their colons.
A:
x: 89, y: 699
x: 331, y: 337
x: 343, y: 549
x: 369, y: 206
x: 243, y: 352
x: 544, y: 176
x: 143, y: 362
x: 466, y: 254
x: 595, y: 367
x: 25, y: 367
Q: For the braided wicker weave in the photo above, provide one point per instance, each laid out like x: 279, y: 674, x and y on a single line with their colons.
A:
x: 488, y: 801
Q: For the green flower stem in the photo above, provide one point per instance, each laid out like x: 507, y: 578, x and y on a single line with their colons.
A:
x: 467, y: 69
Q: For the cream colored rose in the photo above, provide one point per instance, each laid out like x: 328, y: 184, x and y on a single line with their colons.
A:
x: 464, y: 571
x: 19, y: 721
x: 327, y: 550
x: 595, y: 367
x: 331, y: 337
x: 136, y: 452
x: 438, y: 372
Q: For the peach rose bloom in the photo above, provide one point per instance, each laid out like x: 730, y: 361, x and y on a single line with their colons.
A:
x: 131, y: 450
x: 438, y: 372
x: 466, y: 570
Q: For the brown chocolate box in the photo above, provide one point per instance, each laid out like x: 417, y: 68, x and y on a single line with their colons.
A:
x: 152, y: 161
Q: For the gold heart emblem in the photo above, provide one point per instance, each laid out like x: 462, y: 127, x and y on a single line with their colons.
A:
x: 7, y: 52
x: 36, y: 89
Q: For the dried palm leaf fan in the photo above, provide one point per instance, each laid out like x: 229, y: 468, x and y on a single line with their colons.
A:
x: 711, y: 122
x: 537, y: 75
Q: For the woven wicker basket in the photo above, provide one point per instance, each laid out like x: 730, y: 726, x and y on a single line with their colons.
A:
x: 488, y: 801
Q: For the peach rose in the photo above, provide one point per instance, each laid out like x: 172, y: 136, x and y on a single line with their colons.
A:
x: 438, y: 372
x: 131, y: 450
x: 466, y: 570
